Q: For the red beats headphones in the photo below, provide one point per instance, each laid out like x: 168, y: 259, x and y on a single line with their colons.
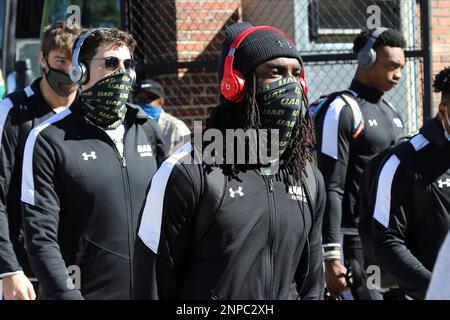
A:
x: 233, y: 83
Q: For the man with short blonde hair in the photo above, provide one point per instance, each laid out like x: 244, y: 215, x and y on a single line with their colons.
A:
x: 19, y: 112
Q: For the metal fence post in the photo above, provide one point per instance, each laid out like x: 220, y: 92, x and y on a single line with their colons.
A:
x: 425, y: 9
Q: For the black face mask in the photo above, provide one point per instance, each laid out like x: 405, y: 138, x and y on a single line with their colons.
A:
x: 280, y: 105
x: 105, y: 103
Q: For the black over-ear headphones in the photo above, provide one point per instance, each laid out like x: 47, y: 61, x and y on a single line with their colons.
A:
x: 367, y: 56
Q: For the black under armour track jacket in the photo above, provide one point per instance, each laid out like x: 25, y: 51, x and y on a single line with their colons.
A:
x: 342, y: 158
x: 81, y: 203
x: 19, y: 112
x: 411, y: 214
x: 260, y: 244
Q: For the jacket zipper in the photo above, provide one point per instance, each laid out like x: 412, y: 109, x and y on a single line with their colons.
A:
x: 126, y: 180
x: 271, y: 240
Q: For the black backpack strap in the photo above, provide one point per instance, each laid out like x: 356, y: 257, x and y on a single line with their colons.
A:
x: 349, y: 98
x: 309, y: 183
x: 390, y: 105
x: 214, y: 186
x: 148, y: 128
x: 310, y: 187
x: 210, y: 201
x: 325, y: 100
x: 24, y: 116
x: 358, y: 118
x: 24, y: 130
x: 405, y: 153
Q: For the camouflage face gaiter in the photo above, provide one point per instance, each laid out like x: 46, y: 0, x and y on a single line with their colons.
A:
x: 105, y: 103
x: 280, y: 103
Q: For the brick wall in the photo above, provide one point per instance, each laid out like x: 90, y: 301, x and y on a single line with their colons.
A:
x: 199, y: 34
x: 440, y: 30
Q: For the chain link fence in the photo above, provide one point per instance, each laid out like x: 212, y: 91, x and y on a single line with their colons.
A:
x: 179, y: 44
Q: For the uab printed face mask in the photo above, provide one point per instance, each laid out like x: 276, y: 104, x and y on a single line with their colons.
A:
x: 105, y: 103
x: 280, y: 104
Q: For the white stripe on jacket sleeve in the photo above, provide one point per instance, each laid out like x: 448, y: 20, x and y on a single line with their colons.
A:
x: 150, y: 228
x: 5, y: 106
x: 384, y: 189
x: 27, y: 166
x: 330, y: 128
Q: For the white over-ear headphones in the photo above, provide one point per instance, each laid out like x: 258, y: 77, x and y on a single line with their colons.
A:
x: 79, y: 73
x: 367, y: 56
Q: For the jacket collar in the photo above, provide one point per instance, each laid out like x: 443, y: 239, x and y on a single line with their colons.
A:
x: 40, y: 102
x: 434, y: 132
x: 367, y: 93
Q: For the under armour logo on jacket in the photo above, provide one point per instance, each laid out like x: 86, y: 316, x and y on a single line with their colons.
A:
x: 373, y: 123
x: 23, y: 107
x: 86, y: 156
x: 444, y: 183
x: 238, y: 191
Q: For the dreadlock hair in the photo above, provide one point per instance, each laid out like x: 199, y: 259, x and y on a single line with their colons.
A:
x: 246, y: 115
x: 442, y: 83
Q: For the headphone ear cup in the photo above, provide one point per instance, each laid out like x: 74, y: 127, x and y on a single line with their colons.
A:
x: 84, y: 74
x: 79, y: 74
x: 362, y: 58
x: 75, y: 73
x: 241, y: 86
x: 233, y: 86
x: 373, y: 57
x: 366, y: 59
